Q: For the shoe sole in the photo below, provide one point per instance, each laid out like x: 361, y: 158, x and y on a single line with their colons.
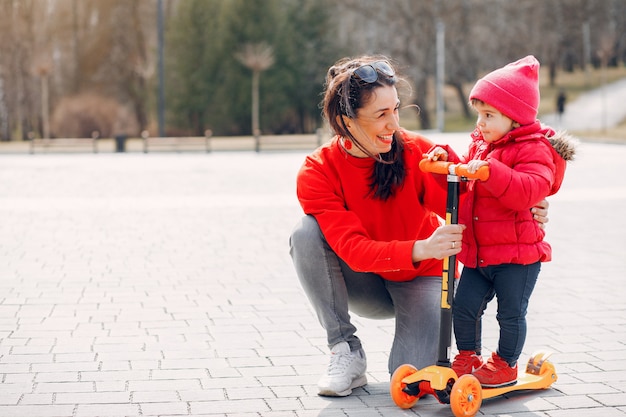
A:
x: 358, y: 382
x: 505, y: 384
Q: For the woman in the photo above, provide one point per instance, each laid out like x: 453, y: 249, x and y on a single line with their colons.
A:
x: 371, y: 241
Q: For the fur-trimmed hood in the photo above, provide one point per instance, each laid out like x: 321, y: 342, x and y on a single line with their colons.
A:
x: 563, y: 151
x: 564, y: 144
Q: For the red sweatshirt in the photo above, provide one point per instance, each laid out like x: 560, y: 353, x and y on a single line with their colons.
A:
x: 369, y: 234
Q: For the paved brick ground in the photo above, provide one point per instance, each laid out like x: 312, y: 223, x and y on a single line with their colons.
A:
x: 160, y: 285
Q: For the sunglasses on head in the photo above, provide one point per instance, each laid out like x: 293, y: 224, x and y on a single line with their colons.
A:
x: 369, y: 72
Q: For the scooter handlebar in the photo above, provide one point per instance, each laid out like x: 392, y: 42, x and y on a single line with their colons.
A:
x: 446, y: 167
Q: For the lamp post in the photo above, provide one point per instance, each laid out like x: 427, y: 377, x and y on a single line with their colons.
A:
x: 440, y: 74
x: 161, y: 94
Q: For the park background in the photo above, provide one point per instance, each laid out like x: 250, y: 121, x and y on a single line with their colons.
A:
x: 160, y: 284
x: 241, y: 67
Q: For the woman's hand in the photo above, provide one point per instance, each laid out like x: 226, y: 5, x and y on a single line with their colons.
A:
x: 540, y: 213
x: 437, y: 154
x: 445, y: 241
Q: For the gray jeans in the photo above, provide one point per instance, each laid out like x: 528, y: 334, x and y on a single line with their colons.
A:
x: 334, y: 289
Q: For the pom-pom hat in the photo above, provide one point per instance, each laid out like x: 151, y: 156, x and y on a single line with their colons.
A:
x: 512, y: 89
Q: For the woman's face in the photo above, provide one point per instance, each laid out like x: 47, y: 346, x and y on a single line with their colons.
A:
x: 492, y: 124
x: 375, y: 122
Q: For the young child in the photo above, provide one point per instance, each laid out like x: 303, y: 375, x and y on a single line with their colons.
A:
x: 502, y: 247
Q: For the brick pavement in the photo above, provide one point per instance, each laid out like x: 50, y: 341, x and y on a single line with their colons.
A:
x: 160, y: 285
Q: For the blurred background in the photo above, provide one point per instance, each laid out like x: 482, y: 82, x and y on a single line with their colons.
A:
x: 180, y: 67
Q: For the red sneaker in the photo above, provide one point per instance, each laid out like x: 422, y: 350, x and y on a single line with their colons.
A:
x: 466, y: 362
x: 496, y: 373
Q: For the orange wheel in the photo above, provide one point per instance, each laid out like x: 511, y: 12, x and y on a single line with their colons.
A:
x: 538, y: 364
x: 546, y: 367
x: 401, y: 398
x: 466, y: 396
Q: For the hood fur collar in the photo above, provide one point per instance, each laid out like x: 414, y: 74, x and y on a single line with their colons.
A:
x: 564, y: 144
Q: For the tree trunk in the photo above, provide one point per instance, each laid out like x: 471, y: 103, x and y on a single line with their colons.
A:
x: 458, y: 87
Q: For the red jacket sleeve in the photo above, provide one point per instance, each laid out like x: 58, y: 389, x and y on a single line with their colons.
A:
x: 528, y: 182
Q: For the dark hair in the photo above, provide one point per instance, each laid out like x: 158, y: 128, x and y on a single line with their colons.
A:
x: 344, y: 94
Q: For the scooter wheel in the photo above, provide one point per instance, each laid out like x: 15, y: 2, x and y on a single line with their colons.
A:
x: 401, y: 398
x: 538, y: 364
x: 466, y: 396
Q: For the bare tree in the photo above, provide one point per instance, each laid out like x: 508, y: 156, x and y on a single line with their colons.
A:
x: 16, y: 69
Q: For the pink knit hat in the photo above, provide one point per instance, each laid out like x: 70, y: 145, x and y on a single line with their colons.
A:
x: 512, y: 89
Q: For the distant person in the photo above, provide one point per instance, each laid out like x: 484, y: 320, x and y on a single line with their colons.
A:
x: 371, y: 242
x: 561, y: 98
x: 503, y: 246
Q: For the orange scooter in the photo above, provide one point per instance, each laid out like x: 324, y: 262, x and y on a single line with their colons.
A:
x: 464, y: 394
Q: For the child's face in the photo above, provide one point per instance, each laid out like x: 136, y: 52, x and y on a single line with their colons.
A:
x: 492, y: 124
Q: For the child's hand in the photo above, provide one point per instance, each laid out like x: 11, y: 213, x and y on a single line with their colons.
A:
x: 437, y: 154
x: 474, y: 164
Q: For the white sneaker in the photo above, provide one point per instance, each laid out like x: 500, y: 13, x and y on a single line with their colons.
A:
x: 346, y: 371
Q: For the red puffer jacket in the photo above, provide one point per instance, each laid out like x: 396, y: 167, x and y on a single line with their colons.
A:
x: 525, y: 166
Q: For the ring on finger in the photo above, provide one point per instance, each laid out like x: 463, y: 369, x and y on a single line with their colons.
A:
x: 453, y: 244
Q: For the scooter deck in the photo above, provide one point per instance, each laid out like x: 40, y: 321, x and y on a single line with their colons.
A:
x: 524, y: 382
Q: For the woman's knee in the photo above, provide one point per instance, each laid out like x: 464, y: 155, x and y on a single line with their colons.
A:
x: 305, y: 233
x: 373, y: 309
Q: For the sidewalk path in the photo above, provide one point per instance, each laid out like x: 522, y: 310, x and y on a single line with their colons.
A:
x: 595, y: 110
x: 160, y: 285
